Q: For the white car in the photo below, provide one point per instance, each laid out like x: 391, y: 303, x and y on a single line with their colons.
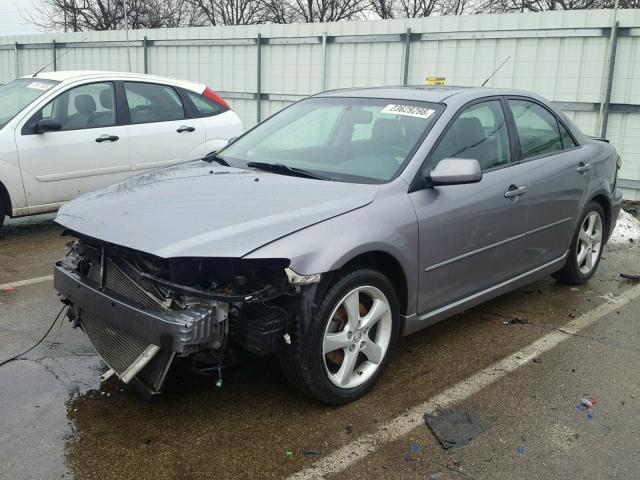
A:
x: 66, y: 133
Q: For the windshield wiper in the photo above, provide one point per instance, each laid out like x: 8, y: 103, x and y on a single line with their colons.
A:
x: 214, y: 157
x: 284, y: 170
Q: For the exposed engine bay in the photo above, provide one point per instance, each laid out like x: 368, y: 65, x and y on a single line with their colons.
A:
x: 142, y: 313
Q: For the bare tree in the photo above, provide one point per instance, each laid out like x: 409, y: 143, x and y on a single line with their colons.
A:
x: 312, y: 11
x: 383, y: 8
x: 417, y: 8
x: 231, y: 12
x: 81, y: 15
x: 279, y: 11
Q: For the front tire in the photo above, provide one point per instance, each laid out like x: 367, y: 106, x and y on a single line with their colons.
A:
x: 2, y: 215
x: 350, y: 339
x: 586, y: 247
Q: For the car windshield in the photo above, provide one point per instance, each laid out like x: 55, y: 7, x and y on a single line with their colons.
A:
x: 361, y: 140
x: 16, y: 95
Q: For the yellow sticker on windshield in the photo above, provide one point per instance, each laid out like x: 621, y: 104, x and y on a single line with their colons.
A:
x: 408, y: 110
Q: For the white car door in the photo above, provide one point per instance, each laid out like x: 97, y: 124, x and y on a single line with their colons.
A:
x: 160, y: 134
x: 82, y: 146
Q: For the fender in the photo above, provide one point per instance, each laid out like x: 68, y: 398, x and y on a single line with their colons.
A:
x: 346, y: 237
x: 11, y: 180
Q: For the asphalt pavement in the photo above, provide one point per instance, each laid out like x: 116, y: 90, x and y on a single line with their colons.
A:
x: 58, y: 421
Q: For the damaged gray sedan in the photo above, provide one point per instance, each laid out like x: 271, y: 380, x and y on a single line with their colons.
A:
x: 331, y: 229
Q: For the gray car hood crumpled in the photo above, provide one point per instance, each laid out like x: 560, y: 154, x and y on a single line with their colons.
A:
x: 204, y: 210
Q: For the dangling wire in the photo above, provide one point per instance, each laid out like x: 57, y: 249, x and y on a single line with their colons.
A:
x: 38, y: 342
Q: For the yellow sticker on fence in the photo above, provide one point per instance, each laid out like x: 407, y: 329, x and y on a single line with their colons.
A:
x: 435, y: 80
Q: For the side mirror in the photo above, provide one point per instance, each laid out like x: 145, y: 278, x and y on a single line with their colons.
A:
x: 47, y: 125
x: 454, y: 171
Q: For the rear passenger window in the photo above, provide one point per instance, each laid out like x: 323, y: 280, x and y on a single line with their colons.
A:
x: 537, y: 129
x: 205, y: 106
x: 479, y: 133
x: 150, y: 102
x: 567, y: 139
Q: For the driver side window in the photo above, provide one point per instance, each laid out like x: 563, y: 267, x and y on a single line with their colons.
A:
x: 479, y: 133
x: 86, y: 106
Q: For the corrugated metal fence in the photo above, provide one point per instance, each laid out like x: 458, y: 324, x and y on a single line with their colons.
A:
x: 563, y: 56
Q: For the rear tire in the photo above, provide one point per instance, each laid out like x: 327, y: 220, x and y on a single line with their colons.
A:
x: 350, y: 339
x: 586, y: 247
x: 2, y: 215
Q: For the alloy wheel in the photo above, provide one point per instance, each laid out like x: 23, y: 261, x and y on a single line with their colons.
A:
x: 589, y: 243
x: 357, y: 337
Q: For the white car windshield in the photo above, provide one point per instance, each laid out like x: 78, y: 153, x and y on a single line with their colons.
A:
x: 363, y: 140
x: 16, y: 95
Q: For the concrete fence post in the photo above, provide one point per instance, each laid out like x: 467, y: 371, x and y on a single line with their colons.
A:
x: 17, y: 59
x: 145, y: 54
x: 407, y: 52
x: 323, y: 73
x: 54, y: 59
x: 259, y: 78
x: 611, y: 67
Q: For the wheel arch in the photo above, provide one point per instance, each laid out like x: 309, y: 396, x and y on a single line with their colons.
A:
x: 389, y: 266
x: 6, y: 200
x: 607, y: 207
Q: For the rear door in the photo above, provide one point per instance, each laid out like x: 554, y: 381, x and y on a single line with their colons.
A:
x: 470, y: 234
x: 160, y: 132
x: 558, y: 180
x: 89, y: 152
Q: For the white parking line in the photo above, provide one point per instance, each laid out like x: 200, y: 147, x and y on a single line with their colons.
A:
x: 22, y: 283
x: 349, y: 454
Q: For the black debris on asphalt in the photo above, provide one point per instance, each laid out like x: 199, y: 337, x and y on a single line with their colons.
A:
x: 516, y: 321
x: 630, y: 276
x: 455, y: 427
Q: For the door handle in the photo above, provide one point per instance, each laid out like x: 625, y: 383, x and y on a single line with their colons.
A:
x: 184, y: 128
x: 515, y: 191
x: 107, y: 138
x: 583, y: 167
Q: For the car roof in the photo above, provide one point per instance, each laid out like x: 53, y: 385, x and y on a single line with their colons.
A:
x: 435, y: 94
x: 76, y: 75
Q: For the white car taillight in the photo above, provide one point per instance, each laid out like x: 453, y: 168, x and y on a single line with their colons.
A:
x: 210, y: 94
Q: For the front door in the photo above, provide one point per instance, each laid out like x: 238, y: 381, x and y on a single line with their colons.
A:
x: 89, y: 152
x: 470, y: 234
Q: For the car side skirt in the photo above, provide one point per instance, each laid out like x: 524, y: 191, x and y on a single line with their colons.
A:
x: 414, y: 323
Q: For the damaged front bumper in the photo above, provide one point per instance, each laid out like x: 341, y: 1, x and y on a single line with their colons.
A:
x: 140, y: 318
x: 137, y: 344
x: 179, y: 331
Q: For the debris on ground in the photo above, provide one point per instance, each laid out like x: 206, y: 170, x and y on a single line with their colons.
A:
x: 455, y: 427
x: 414, y: 447
x: 521, y: 450
x: 586, y: 402
x: 410, y: 459
x: 611, y: 298
x: 311, y: 453
x: 630, y: 276
x: 289, y: 453
x: 585, y: 405
x: 627, y: 229
x: 516, y: 321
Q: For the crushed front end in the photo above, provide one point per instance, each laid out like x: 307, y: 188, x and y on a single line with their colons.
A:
x: 142, y: 312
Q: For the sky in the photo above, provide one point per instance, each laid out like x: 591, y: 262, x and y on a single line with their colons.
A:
x: 11, y: 23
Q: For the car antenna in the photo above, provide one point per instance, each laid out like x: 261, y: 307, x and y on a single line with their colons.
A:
x: 54, y: 60
x: 495, y: 71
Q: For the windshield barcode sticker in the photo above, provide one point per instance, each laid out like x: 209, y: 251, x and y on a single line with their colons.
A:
x: 408, y: 110
x: 39, y: 86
